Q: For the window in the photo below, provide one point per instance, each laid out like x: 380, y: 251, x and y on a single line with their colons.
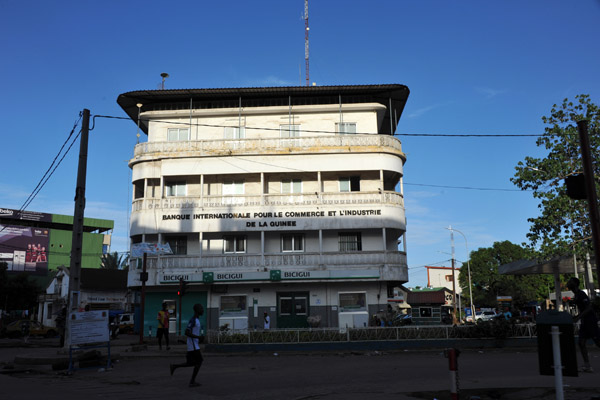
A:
x: 234, y: 244
x: 291, y: 186
x: 138, y: 189
x: 292, y: 243
x: 233, y: 188
x: 286, y: 306
x: 153, y: 188
x: 353, y: 302
x: 175, y: 189
x: 345, y: 127
x: 350, y: 242
x: 233, y: 305
x: 233, y: 132
x: 448, y: 278
x: 350, y: 184
x: 425, y: 312
x: 289, y: 131
x: 178, y: 134
x: 178, y: 244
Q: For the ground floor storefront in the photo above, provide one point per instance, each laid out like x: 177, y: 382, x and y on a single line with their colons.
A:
x: 244, y: 306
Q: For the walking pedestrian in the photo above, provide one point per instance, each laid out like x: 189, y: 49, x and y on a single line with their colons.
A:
x: 267, y: 319
x: 163, y: 326
x: 195, y: 336
x: 589, y: 323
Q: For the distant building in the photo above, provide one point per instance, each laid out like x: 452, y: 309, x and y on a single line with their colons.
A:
x: 442, y: 277
x: 100, y: 289
x: 39, y: 242
x: 431, y: 306
x: 285, y: 200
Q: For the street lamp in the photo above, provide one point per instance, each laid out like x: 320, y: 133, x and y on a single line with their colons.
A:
x: 468, y: 270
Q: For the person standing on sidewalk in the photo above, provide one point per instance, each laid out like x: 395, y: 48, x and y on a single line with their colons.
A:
x: 163, y: 326
x: 195, y: 336
x: 589, y: 323
x: 267, y: 319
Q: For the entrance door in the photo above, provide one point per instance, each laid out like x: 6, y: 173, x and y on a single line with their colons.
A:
x: 292, y: 310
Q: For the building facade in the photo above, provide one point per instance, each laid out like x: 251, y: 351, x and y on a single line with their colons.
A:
x: 285, y: 201
x: 443, y: 277
x: 38, y: 242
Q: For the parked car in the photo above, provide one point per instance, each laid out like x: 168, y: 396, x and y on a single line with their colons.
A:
x: 126, y: 323
x: 18, y: 328
x: 485, y: 316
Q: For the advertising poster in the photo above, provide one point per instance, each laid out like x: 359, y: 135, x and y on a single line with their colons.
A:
x: 24, y: 248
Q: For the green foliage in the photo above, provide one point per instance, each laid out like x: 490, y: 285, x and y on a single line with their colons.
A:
x: 114, y: 261
x: 563, y: 223
x: 488, y: 283
x: 17, y: 292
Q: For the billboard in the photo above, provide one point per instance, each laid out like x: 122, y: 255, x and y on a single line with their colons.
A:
x: 24, y: 248
x: 7, y: 214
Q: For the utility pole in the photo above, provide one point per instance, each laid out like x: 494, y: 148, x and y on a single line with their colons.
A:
x: 143, y: 278
x: 77, y: 241
x: 306, y: 29
x: 454, y: 319
x: 590, y: 184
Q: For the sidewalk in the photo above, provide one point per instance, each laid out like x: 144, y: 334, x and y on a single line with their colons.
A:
x: 409, y: 374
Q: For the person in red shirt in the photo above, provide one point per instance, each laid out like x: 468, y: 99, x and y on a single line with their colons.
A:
x: 163, y: 326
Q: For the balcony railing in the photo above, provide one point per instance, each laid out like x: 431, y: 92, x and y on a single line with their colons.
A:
x: 252, y: 261
x: 318, y: 144
x: 387, y: 197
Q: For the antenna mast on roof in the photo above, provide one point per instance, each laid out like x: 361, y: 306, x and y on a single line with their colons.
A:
x: 164, y: 76
x: 306, y: 40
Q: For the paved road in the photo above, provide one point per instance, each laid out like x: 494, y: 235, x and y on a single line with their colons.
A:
x: 328, y: 376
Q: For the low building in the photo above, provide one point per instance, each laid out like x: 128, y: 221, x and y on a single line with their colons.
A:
x: 100, y: 289
x: 431, y: 306
x: 38, y: 242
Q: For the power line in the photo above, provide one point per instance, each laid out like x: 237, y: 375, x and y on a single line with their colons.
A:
x: 333, y: 132
x: 467, y: 187
x: 49, y: 172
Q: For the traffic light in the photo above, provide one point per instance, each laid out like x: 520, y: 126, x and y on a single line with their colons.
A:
x: 576, y: 187
x: 182, y: 287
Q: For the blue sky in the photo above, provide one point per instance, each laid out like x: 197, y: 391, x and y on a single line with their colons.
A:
x: 488, y: 67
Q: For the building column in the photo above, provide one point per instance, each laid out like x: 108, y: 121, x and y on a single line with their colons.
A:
x: 320, y: 186
x: 381, y: 185
x: 320, y: 247
x: 201, y: 190
x: 262, y: 248
x: 201, y: 240
x: 384, y: 237
x: 262, y: 188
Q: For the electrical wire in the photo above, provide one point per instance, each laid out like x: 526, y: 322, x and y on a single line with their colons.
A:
x: 332, y: 132
x: 467, y: 187
x: 42, y: 182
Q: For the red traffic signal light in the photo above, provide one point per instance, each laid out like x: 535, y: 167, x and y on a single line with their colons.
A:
x: 182, y: 287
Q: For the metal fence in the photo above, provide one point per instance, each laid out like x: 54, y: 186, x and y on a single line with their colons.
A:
x: 371, y: 334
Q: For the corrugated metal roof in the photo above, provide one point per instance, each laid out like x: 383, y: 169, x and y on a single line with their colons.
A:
x: 263, y: 96
x: 427, y: 297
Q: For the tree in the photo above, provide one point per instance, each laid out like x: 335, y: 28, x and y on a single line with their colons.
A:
x: 488, y: 283
x: 563, y: 225
x: 17, y: 292
x: 114, y: 261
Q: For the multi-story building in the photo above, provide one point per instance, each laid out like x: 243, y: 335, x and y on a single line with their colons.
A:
x: 279, y: 200
x: 38, y: 242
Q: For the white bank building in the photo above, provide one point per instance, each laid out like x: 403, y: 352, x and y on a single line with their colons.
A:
x: 285, y: 200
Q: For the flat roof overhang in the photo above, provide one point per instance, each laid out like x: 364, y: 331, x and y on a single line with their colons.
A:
x: 180, y: 99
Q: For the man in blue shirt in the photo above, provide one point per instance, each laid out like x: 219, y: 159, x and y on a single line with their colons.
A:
x: 195, y: 336
x: 589, y: 323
